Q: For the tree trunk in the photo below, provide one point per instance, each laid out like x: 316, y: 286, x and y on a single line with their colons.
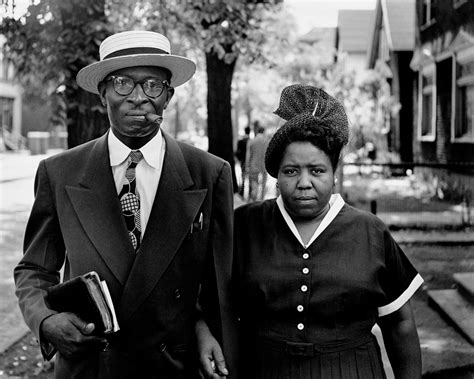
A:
x: 84, y: 119
x: 219, y: 119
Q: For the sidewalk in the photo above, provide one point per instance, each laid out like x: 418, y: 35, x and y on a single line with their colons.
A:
x: 17, y: 171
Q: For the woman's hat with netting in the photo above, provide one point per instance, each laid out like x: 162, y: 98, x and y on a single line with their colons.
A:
x: 309, y: 108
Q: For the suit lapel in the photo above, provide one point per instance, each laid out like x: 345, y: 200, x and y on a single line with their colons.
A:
x: 172, y: 214
x: 96, y: 204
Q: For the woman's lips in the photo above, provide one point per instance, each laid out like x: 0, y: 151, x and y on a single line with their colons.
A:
x: 303, y: 198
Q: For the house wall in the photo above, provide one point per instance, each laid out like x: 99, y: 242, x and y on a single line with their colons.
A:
x: 441, y: 44
x: 9, y: 89
x: 437, y: 38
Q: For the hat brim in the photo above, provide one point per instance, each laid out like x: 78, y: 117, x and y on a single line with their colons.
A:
x: 181, y: 68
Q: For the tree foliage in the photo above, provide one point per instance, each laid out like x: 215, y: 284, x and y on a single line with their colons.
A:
x: 224, y: 30
x: 48, y: 46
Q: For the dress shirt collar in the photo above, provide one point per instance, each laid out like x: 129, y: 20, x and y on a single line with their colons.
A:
x: 119, y: 152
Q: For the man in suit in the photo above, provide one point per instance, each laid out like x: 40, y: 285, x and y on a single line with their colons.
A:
x: 255, y: 163
x: 151, y: 215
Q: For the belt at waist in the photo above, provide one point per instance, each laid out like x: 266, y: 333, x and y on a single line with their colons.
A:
x: 312, y: 349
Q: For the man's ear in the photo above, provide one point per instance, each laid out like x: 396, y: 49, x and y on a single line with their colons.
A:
x: 102, y: 88
x: 169, y: 95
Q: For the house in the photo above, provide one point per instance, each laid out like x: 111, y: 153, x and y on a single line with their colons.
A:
x: 353, y: 28
x: 324, y: 41
x: 444, y: 103
x: 391, y: 45
x: 10, y: 105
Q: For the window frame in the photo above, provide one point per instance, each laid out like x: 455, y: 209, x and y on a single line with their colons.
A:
x: 461, y: 58
x: 428, y: 70
x: 428, y: 15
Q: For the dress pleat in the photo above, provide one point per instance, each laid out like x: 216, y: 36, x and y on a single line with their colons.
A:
x: 361, y: 362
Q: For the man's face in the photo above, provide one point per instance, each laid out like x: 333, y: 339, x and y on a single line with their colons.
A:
x: 131, y: 115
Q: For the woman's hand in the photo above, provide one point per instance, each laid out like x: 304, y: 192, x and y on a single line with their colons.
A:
x: 211, y: 359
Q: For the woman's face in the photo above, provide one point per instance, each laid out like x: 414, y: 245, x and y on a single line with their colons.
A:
x: 306, y: 180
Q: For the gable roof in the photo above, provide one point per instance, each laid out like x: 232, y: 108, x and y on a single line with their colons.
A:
x: 354, y: 29
x: 399, y: 21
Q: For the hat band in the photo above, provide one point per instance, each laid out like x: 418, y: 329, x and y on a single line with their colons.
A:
x: 136, y: 50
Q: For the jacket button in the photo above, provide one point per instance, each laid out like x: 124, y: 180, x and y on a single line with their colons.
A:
x: 177, y: 294
x: 162, y: 347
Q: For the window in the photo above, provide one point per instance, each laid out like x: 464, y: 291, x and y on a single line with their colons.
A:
x: 462, y: 119
x: 428, y: 12
x: 427, y: 104
x: 6, y: 114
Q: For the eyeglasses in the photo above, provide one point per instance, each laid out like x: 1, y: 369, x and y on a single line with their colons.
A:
x: 124, y: 85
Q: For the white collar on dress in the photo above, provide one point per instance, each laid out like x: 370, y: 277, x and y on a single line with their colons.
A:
x: 336, y: 203
x: 119, y: 152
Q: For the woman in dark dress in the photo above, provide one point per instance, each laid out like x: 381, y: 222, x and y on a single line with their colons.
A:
x: 313, y: 274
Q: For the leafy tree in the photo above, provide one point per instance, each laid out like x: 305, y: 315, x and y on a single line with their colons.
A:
x: 54, y: 40
x: 224, y: 30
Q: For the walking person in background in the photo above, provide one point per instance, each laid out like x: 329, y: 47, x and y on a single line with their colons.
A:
x: 151, y: 215
x: 314, y: 275
x: 241, y: 155
x: 255, y: 164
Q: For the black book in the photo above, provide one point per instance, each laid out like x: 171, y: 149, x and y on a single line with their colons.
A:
x: 89, y: 298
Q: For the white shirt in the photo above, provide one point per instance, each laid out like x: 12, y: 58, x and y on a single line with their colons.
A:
x: 148, y: 171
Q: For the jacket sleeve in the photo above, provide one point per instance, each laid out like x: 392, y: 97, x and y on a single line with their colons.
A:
x: 43, y: 257
x: 216, y: 296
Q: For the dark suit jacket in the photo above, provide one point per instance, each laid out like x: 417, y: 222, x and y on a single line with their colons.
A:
x: 76, y: 222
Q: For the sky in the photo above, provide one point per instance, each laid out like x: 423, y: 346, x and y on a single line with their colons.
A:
x: 322, y: 13
x: 308, y: 13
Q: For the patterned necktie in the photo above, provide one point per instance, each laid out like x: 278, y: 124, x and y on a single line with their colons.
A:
x: 130, y: 200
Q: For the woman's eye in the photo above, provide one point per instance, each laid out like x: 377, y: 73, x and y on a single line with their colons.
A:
x: 289, y: 171
x: 317, y: 171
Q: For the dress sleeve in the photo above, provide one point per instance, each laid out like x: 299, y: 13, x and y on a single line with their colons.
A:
x: 399, y: 280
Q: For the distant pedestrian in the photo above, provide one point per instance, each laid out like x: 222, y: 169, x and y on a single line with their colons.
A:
x: 255, y: 164
x: 241, y: 155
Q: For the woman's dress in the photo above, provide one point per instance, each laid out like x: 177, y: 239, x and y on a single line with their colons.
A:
x: 308, y: 311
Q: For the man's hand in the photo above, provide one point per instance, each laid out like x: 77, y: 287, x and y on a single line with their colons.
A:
x: 69, y: 334
x: 211, y: 359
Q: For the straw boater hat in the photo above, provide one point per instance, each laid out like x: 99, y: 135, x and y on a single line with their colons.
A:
x: 131, y: 49
x: 306, y: 109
